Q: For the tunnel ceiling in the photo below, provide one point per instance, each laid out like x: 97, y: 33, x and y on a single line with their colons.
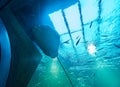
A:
x: 32, y: 12
x: 17, y: 4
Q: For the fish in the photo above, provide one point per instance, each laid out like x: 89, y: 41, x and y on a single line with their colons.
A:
x: 77, y: 37
x: 78, y: 41
x: 66, y: 42
x: 118, y: 46
x: 90, y: 25
x: 104, y: 35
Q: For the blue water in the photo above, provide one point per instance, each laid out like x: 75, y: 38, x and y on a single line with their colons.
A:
x: 90, y: 62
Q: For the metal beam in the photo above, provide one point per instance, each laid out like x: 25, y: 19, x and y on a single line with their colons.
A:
x: 68, y: 29
x: 81, y: 19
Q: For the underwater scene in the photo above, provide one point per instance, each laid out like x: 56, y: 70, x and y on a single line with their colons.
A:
x: 89, y: 50
x: 59, y: 43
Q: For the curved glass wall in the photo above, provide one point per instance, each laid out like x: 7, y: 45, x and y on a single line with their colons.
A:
x: 5, y: 54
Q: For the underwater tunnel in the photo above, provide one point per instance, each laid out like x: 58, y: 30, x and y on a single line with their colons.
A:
x: 59, y: 43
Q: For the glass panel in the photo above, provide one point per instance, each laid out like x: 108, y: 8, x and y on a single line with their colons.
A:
x: 73, y: 17
x: 89, y: 10
x: 58, y: 22
x: 49, y: 73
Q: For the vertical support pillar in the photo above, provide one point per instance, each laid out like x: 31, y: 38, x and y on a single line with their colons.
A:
x: 82, y: 24
x: 68, y: 29
x: 81, y: 19
x: 99, y: 18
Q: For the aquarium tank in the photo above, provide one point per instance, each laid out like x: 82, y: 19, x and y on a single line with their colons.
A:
x: 79, y: 41
x: 89, y: 51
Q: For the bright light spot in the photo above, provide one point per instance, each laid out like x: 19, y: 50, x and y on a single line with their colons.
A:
x: 58, y: 21
x: 91, y: 49
x: 54, y: 66
x: 73, y: 17
x: 55, y: 59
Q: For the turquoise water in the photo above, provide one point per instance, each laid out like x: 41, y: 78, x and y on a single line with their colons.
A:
x: 94, y: 63
x: 83, y: 70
